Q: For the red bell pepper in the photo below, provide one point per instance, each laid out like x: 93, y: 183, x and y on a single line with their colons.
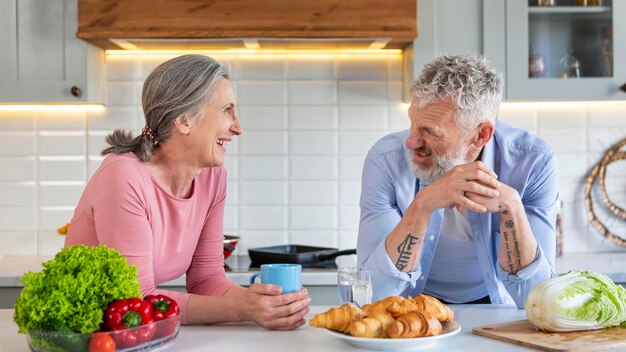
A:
x: 126, y: 314
x: 164, y: 307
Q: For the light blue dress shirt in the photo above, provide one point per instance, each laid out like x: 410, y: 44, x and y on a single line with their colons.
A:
x: 520, y: 159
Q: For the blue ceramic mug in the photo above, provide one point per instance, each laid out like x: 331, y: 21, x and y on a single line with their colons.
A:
x: 285, y: 275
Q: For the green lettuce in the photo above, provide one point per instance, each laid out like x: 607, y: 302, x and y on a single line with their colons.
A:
x: 74, y: 289
x: 577, y: 300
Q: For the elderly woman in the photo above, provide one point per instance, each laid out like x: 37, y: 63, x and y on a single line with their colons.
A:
x: 158, y: 198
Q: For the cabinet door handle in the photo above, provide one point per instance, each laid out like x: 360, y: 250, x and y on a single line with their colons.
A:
x: 623, y: 88
x: 77, y: 92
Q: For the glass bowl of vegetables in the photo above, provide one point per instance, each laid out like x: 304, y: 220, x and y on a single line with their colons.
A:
x: 156, y: 335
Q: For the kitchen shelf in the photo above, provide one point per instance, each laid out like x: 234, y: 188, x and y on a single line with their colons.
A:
x: 569, y: 9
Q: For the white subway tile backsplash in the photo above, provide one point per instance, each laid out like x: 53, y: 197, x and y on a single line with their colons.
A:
x: 260, y: 68
x: 18, y: 194
x: 62, y: 169
x: 565, y: 140
x: 312, y: 92
x: 395, y: 68
x: 311, y: 68
x: 61, y: 120
x: 18, y: 243
x: 263, y: 193
x: 123, y: 68
x: 349, y: 217
x: 398, y: 117
x: 263, y: 167
x: 601, y: 139
x: 18, y: 218
x: 259, y: 239
x: 49, y: 242
x: 347, y: 239
x: 313, y: 192
x: 57, y: 143
x: 231, y: 164
x: 349, y: 192
x: 115, y: 117
x: 17, y: 120
x: 294, y: 174
x: 313, y: 118
x: 18, y: 143
x: 255, y: 118
x: 262, y: 93
x: 312, y: 168
x: 363, y: 93
x: 51, y: 218
x: 262, y: 218
x: 351, y: 167
x: 358, y: 143
x: 313, y: 217
x: 524, y: 118
x: 395, y: 90
x: 562, y: 118
x: 96, y: 142
x: 60, y: 194
x: 362, y: 69
x: 232, y: 193
x: 231, y: 223
x: 363, y: 117
x: 313, y: 143
x: 122, y: 93
x: 571, y: 164
x: 314, y: 238
x: 263, y: 143
x: 18, y: 168
x: 609, y: 116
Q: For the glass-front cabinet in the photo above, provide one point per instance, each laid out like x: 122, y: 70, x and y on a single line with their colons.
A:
x: 565, y: 49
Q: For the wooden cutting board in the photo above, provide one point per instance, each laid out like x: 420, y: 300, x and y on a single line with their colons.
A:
x: 522, y: 332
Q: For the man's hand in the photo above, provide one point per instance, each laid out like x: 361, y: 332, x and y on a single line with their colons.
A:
x: 457, y: 188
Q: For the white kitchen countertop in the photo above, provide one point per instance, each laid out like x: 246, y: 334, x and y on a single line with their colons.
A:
x: 611, y: 264
x: 250, y: 337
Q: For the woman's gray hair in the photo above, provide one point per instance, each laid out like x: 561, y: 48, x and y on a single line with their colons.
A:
x: 177, y: 87
x: 467, y: 81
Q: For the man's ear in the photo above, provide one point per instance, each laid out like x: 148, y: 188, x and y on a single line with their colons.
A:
x: 182, y: 124
x: 485, y: 132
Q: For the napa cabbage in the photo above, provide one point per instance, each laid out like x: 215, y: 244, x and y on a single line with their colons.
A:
x: 577, y: 300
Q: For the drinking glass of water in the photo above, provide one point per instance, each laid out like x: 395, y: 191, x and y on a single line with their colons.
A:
x: 355, y: 286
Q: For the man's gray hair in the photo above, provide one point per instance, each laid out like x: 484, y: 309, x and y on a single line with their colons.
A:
x: 468, y: 81
x: 177, y: 87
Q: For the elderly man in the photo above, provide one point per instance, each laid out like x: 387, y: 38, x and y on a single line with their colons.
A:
x: 459, y: 206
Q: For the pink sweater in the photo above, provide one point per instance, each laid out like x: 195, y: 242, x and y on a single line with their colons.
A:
x: 122, y: 207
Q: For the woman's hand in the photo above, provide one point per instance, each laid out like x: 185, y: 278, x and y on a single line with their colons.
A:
x: 264, y: 305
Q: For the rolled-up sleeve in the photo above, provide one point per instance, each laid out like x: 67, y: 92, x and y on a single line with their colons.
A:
x: 540, y: 199
x: 379, y: 216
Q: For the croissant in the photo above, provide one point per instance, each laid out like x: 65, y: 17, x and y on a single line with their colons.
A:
x: 338, y: 318
x: 397, y: 309
x: 374, y: 325
x: 382, y: 305
x: 414, y: 324
x: 431, y: 306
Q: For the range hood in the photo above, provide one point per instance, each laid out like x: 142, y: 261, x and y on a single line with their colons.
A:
x: 247, y: 24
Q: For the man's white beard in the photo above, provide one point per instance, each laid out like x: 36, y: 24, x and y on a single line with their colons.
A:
x: 441, y: 164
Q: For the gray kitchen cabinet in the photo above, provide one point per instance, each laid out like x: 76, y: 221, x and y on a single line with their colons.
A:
x: 455, y: 27
x: 561, y: 52
x: 516, y: 35
x: 42, y: 60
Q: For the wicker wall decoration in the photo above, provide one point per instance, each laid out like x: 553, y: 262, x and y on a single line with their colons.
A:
x: 599, y: 173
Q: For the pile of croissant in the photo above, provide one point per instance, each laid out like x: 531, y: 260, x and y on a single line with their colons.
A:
x: 392, y: 317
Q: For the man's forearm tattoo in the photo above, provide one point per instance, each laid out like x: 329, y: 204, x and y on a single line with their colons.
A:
x: 404, y: 251
x: 509, y: 260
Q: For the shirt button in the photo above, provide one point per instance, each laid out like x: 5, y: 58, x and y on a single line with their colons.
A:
x: 422, y: 277
x: 432, y: 237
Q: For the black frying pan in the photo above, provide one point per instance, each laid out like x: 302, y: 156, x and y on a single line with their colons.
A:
x: 295, y: 254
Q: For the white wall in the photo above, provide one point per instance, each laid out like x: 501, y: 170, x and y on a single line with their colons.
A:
x: 294, y: 174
